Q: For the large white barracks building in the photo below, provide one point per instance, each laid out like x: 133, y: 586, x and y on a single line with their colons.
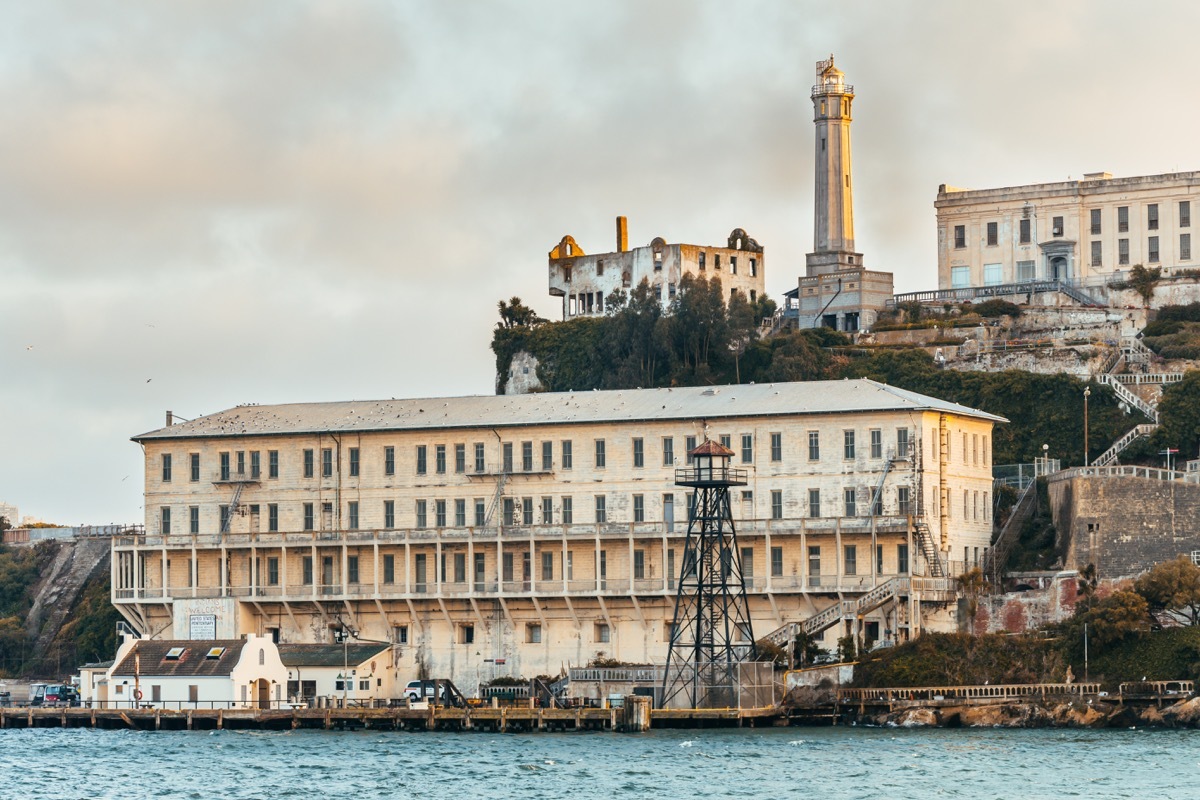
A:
x: 518, y: 535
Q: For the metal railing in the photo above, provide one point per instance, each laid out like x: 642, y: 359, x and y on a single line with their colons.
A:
x: 940, y: 693
x: 1149, y: 473
x: 960, y: 294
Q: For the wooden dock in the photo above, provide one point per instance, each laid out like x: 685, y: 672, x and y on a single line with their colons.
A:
x: 499, y: 720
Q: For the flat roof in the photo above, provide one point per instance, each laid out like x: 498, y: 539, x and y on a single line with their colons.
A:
x: 563, y: 408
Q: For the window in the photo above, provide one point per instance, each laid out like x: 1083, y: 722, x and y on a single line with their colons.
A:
x: 547, y: 566
x: 668, y: 450
x: 960, y: 277
x: 639, y: 508
x: 903, y: 501
x: 964, y: 448
x: 993, y: 234
x: 166, y: 467
x: 814, y: 445
x: 241, y: 463
x: 308, y: 517
x: 700, y: 263
x: 1095, y: 220
x: 876, y: 443
x: 439, y: 513
x: 902, y: 559
x: 1152, y: 249
x: 850, y: 559
x: 389, y: 461
x: 814, y: 563
x: 224, y: 461
x: 1122, y: 252
x: 960, y: 236
x: 902, y: 442
x: 814, y: 503
x: 848, y: 445
x: 327, y: 462
x: 777, y: 447
x: 1185, y: 213
x: 639, y: 453
x: 194, y: 519
x: 1122, y: 219
x: 1185, y: 247
x: 1025, y: 270
x: 733, y: 265
x: 1056, y: 225
x: 527, y: 510
x: 195, y: 458
x: 601, y: 632
x: 353, y: 462
x: 389, y: 513
x: 466, y: 634
x: 726, y: 441
x: 753, y: 271
x: 993, y: 274
x: 850, y: 496
x: 352, y: 514
x: 165, y: 519
x: 272, y: 463
x: 422, y: 459
x: 568, y: 513
x: 480, y: 465
x: 1024, y: 233
x: 1097, y: 253
x: 422, y: 519
x: 716, y: 260
x: 565, y: 449
x: 460, y: 567
x: 776, y: 504
x: 689, y: 444
x: 306, y: 575
x: 599, y: 454
x: 601, y: 509
x: 879, y: 559
x: 460, y: 513
x: 639, y: 564
x: 1152, y: 217
x: 527, y: 456
x: 352, y: 569
x: 400, y: 634
x: 603, y: 571
x: 776, y: 562
x: 533, y: 633
x: 480, y: 512
x: 747, y: 448
x: 439, y: 459
x: 273, y: 517
x: 547, y: 456
x: 506, y: 457
x: 748, y: 562
x: 975, y: 449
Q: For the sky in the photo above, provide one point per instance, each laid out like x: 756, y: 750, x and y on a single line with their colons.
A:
x: 204, y: 204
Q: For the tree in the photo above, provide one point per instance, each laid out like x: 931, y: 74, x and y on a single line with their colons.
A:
x: 972, y: 583
x: 1144, y: 281
x: 1087, y: 583
x: 1120, y: 616
x: 515, y: 314
x: 1172, y: 591
x: 1179, y: 413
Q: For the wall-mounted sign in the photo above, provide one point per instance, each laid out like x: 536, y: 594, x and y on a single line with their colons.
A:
x: 202, y: 626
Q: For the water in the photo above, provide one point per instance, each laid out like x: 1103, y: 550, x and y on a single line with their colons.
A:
x: 821, y: 763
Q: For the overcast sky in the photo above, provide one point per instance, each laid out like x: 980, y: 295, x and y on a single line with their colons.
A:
x: 210, y: 203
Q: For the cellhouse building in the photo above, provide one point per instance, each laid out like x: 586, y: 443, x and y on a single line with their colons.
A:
x: 517, y: 535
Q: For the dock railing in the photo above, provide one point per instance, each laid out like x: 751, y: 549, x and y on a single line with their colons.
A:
x: 1015, y: 691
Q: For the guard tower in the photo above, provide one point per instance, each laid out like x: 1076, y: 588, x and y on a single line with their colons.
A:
x: 710, y: 632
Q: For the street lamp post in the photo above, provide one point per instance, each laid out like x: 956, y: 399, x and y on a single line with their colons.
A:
x: 1087, y: 392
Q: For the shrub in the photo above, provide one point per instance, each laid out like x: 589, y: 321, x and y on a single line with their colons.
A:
x: 997, y: 308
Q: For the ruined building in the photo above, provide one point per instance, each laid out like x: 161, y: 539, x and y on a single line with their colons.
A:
x: 583, y: 282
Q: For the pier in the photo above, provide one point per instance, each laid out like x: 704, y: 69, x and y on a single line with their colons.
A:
x: 631, y: 717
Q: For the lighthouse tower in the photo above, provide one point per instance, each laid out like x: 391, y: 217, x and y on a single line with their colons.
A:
x: 833, y: 230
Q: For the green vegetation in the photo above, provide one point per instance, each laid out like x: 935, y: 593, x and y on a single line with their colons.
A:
x: 20, y: 570
x: 1126, y: 641
x: 1175, y: 332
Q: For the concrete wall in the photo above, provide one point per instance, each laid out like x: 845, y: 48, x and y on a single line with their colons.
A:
x: 1124, y: 525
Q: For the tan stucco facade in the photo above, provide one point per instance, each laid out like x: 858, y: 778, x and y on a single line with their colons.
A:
x: 1079, y: 231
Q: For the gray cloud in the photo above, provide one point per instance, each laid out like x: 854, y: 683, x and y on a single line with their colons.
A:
x: 306, y: 201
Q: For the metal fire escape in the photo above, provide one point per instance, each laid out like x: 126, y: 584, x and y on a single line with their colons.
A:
x: 711, y: 635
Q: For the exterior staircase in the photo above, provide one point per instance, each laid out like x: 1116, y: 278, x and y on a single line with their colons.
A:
x: 929, y: 549
x: 1130, y: 398
x: 1109, y: 456
x: 888, y: 591
x: 997, y: 554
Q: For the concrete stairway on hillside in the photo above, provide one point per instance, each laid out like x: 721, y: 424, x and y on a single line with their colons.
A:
x: 59, y: 589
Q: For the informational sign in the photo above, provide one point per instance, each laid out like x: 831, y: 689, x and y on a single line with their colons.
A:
x: 202, y: 626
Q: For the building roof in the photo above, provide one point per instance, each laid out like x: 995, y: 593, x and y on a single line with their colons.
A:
x: 193, y: 661
x: 329, y: 655
x: 507, y: 411
x: 711, y: 448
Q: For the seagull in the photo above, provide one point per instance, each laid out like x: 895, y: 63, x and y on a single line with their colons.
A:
x: 28, y: 347
x: 149, y: 379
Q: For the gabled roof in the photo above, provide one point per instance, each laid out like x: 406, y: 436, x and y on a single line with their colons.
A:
x: 329, y: 655
x: 711, y: 448
x: 192, y: 662
x: 507, y: 411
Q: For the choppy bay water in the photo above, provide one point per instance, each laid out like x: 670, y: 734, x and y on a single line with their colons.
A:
x: 790, y: 762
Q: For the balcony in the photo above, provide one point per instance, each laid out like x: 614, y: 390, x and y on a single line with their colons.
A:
x: 226, y: 476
